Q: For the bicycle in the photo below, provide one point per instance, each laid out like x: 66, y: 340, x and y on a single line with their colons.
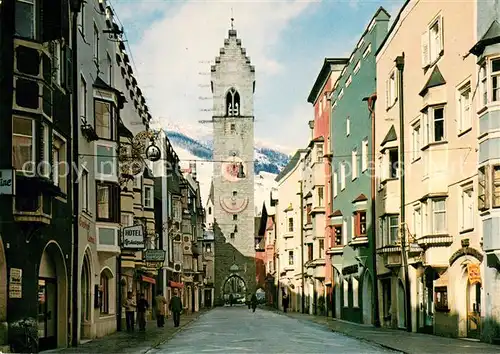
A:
x: 27, y: 340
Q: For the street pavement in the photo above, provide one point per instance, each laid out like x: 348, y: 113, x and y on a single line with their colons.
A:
x: 238, y: 330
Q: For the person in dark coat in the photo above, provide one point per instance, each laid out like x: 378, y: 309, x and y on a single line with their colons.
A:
x: 254, y: 302
x: 142, y: 306
x: 231, y: 299
x: 175, y: 306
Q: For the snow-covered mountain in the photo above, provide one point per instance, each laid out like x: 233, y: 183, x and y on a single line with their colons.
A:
x: 195, y: 145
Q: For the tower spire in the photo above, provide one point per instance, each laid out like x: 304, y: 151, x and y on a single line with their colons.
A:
x: 232, y: 19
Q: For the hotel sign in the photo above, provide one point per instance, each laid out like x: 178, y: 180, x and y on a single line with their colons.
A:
x: 133, y: 237
x: 7, y: 182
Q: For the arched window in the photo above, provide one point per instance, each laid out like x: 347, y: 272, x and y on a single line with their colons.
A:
x: 106, y: 292
x: 232, y: 103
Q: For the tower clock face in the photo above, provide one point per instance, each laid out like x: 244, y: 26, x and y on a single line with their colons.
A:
x: 230, y: 168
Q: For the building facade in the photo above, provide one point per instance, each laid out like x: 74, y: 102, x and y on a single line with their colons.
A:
x: 487, y: 52
x: 319, y: 98
x: 233, y: 86
x: 36, y: 206
x: 351, y: 140
x: 425, y: 50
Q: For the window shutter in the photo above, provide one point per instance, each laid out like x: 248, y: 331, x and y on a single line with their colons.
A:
x: 441, y: 34
x: 387, y: 93
x: 425, y: 49
x: 51, y: 19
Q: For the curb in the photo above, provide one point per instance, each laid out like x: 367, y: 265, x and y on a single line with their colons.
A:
x: 173, y: 334
x: 341, y: 333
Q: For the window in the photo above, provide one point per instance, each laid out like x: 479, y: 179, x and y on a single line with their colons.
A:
x: 415, y: 137
x: 85, y: 190
x: 138, y: 182
x: 483, y: 79
x: 148, y: 197
x: 346, y: 293
x: 335, y: 183
x: 348, y: 81
x: 104, y: 293
x: 23, y: 144
x: 355, y: 292
x: 290, y: 258
x: 321, y: 248
x: 417, y: 221
x: 341, y: 94
x: 233, y: 128
x: 438, y: 216
x: 467, y: 206
x: 106, y: 161
x: 360, y: 223
x: 354, y: 164
x: 495, y: 80
x: 58, y: 161
x: 235, y: 193
x: 364, y: 155
x: 338, y: 235
x: 96, y: 45
x: 83, y: 99
x: 390, y: 229
x: 308, y: 214
x: 235, y: 217
x: 496, y: 186
x: 103, y: 201
x: 441, y: 298
x: 127, y: 220
x: 432, y: 45
x: 310, y: 255
x: 357, y: 67
x: 25, y: 20
x: 103, y: 119
x: 483, y: 200
x: 344, y: 231
x: 110, y: 69
x: 232, y: 103
x: 57, y: 64
x: 391, y: 89
x: 342, y: 176
x: 45, y: 132
x: 367, y: 51
x: 209, y: 210
x: 321, y: 198
x: 348, y: 126
x: 435, y: 129
x: 464, y: 114
x: 393, y: 163
x: 319, y: 153
x: 290, y: 224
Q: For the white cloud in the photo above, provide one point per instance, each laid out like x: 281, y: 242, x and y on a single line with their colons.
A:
x: 174, y: 52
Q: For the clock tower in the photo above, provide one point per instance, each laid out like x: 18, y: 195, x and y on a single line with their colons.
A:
x: 233, y: 86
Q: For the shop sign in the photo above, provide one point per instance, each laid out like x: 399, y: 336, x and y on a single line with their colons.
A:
x: 7, y: 181
x: 154, y: 256
x: 86, y: 224
x: 133, y: 237
x: 474, y: 273
x: 15, y: 283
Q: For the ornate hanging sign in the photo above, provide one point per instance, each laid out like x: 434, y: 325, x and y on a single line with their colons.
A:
x: 474, y: 273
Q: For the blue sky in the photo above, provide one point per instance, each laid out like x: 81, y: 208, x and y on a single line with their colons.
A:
x: 173, y: 43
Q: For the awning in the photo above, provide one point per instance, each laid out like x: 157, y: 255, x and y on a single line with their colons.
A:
x: 174, y: 284
x: 148, y: 279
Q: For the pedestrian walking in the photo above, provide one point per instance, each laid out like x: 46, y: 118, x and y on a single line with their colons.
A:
x: 160, y: 309
x: 130, y: 307
x: 231, y: 298
x: 254, y: 302
x: 285, y: 302
x: 142, y: 306
x: 176, y: 307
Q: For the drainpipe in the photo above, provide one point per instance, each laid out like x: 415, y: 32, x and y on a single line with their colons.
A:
x: 303, y: 300
x: 76, y: 6
x: 376, y: 311
x: 400, y: 63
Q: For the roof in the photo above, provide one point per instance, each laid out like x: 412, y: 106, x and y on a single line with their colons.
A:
x: 391, y: 136
x: 394, y: 23
x: 290, y: 166
x: 492, y: 36
x: 360, y: 198
x: 323, y: 75
x: 436, y: 79
x: 319, y: 139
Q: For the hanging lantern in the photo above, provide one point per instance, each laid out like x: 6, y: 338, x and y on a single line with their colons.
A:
x: 241, y: 173
x: 153, y: 153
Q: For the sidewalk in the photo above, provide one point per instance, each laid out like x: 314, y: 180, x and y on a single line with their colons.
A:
x: 398, y: 340
x: 136, y: 342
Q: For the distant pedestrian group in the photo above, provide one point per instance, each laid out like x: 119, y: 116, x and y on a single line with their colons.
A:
x: 141, y: 306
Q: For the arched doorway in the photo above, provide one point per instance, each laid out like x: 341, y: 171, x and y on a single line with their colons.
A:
x: 401, y: 305
x: 367, y: 298
x: 473, y: 296
x: 85, y: 297
x: 235, y: 286
x: 52, y: 299
x: 3, y: 284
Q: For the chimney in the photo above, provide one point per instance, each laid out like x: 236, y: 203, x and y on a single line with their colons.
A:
x: 311, y: 126
x: 192, y: 168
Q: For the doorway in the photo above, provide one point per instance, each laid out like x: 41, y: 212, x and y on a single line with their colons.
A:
x: 85, y: 307
x: 401, y: 305
x: 473, y: 310
x: 367, y: 299
x: 208, y: 298
x: 47, y: 313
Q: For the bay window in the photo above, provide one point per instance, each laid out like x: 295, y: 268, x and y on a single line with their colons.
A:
x: 23, y: 144
x: 496, y: 186
x: 393, y: 163
x: 390, y: 229
x: 495, y: 80
x: 45, y: 166
x: 106, y: 161
x: 25, y: 19
x: 483, y: 200
x: 108, y: 202
x: 319, y: 153
x: 438, y: 216
x: 103, y: 112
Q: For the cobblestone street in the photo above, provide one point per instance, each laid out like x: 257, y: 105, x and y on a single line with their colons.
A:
x: 239, y: 330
